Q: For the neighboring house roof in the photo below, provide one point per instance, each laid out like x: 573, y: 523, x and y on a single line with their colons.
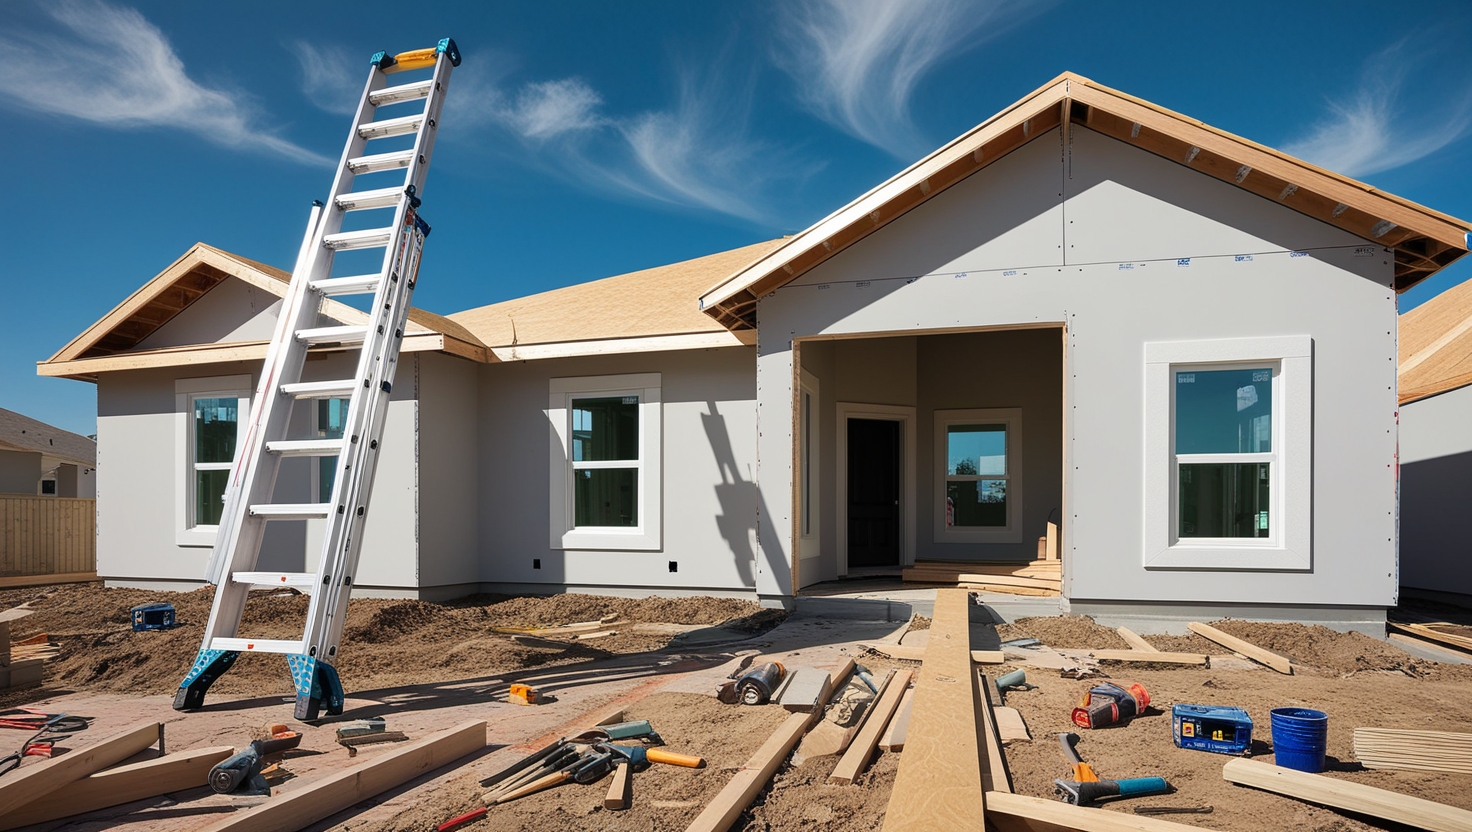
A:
x: 649, y: 309
x: 22, y: 433
x: 1436, y: 345
x: 1424, y: 240
x: 110, y: 344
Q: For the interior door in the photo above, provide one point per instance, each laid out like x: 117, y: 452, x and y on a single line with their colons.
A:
x: 873, y: 492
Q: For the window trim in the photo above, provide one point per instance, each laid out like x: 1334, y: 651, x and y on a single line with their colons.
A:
x: 1289, y: 546
x: 1012, y: 418
x: 186, y: 390
x: 648, y: 534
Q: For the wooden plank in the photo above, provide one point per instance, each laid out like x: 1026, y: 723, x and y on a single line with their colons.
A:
x: 1012, y: 590
x: 899, y: 726
x: 1004, y: 808
x: 621, y: 790
x: 117, y: 786
x: 938, y: 785
x: 1052, y: 543
x: 32, y: 782
x: 1010, y: 726
x: 1008, y: 580
x: 1246, y: 648
x: 1135, y: 641
x: 806, y: 690
x: 749, y: 780
x: 906, y: 652
x: 1350, y: 797
x: 328, y: 796
x: 862, y: 748
x: 1424, y: 632
x: 994, y: 774
x: 1413, y: 750
x: 1149, y: 656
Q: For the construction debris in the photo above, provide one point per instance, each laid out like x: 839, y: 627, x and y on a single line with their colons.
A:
x: 1245, y: 648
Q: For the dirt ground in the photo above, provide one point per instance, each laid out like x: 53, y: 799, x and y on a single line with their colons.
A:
x: 1357, y: 680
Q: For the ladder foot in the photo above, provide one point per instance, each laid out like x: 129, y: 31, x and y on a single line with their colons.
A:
x: 208, y: 666
x: 317, y: 686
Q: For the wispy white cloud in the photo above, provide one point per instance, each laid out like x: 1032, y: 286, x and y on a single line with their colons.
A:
x: 548, y: 109
x: 1375, y: 128
x: 331, y: 78
x: 857, y: 62
x: 110, y: 66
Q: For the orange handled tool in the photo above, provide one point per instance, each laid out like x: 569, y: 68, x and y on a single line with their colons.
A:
x: 639, y: 758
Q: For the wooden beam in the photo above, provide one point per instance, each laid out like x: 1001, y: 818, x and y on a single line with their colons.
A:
x: 749, y: 780
x: 1008, y: 580
x: 114, y: 787
x: 46, y: 580
x: 899, y: 726
x: 1246, y: 648
x: 1150, y: 656
x: 33, y: 782
x: 994, y: 774
x: 862, y: 748
x: 1020, y: 812
x: 1430, y: 634
x: 1135, y: 641
x: 1350, y: 797
x: 321, y: 798
x: 938, y: 785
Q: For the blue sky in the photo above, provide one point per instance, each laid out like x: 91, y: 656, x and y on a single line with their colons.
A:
x: 585, y: 139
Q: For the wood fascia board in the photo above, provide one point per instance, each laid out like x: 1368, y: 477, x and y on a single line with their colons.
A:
x: 125, y: 784
x: 613, y: 346
x: 301, y: 807
x: 33, y: 782
x: 756, y: 277
x: 1414, y: 812
x: 229, y: 265
x: 1405, y: 214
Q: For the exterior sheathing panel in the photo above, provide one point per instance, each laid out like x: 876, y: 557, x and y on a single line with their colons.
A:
x: 709, y: 487
x: 449, y: 433
x: 1435, y: 491
x: 990, y: 251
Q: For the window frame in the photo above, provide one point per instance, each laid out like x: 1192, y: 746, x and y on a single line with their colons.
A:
x: 809, y: 467
x: 186, y: 391
x: 1011, y: 417
x: 1288, y: 546
x: 647, y: 534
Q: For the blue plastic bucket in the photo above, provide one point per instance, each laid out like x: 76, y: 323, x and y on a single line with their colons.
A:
x: 1299, y: 737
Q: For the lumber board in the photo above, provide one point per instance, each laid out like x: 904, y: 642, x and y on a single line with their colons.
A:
x: 1135, y: 641
x: 114, y: 787
x: 862, y: 748
x: 938, y: 785
x: 621, y: 790
x: 1150, y: 656
x: 905, y: 652
x: 990, y: 741
x: 1010, y: 725
x: 805, y: 689
x: 894, y: 735
x: 1011, y: 590
x: 1008, y: 580
x: 1055, y: 814
x: 321, y: 798
x: 1246, y: 648
x: 1424, y: 632
x: 30, y: 783
x: 1051, y: 547
x: 1350, y: 797
x: 737, y: 794
x: 1413, y: 750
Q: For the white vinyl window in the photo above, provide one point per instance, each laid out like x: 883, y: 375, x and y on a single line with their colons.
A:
x: 978, y: 493
x: 606, y: 474
x: 210, y: 415
x: 1228, y: 431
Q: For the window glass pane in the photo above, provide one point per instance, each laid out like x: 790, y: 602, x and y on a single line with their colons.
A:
x: 605, y: 429
x: 605, y: 497
x: 214, y: 429
x: 209, y: 495
x: 1224, y: 411
x: 1224, y: 499
x: 976, y: 450
x: 976, y: 503
x: 332, y: 415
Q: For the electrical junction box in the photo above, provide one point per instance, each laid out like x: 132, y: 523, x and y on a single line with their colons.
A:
x: 1219, y: 730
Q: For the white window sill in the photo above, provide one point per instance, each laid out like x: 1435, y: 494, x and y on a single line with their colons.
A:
x: 200, y: 536
x: 631, y: 540
x: 1228, y: 557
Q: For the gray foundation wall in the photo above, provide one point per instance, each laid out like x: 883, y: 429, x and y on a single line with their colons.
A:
x: 1436, y: 493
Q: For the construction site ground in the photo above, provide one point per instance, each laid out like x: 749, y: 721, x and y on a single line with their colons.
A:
x: 430, y: 666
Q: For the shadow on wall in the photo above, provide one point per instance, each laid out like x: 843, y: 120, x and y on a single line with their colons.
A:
x: 739, y: 498
x: 1435, y: 526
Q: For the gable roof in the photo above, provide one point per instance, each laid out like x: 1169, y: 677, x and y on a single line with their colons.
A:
x: 648, y: 309
x: 1436, y: 345
x: 109, y: 344
x: 1424, y: 240
x: 22, y: 433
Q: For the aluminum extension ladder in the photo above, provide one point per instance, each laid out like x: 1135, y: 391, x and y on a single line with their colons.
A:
x: 264, y: 440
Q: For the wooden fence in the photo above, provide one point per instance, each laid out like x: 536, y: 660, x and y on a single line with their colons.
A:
x: 47, y: 536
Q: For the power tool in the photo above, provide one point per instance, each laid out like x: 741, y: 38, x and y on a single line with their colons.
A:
x: 1087, y: 787
x: 757, y: 685
x: 1110, y: 704
x: 241, y: 774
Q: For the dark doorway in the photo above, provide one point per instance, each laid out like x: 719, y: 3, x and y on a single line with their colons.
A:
x: 873, y: 492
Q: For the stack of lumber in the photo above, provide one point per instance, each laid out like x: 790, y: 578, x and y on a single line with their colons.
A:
x: 20, y: 665
x: 1413, y: 750
x: 1037, y: 577
x: 1449, y: 635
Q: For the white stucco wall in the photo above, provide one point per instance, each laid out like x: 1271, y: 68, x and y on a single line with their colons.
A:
x: 1435, y: 493
x: 1096, y: 240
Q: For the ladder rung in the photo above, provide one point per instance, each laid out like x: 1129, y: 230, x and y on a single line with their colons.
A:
x: 391, y: 127
x: 381, y: 161
x: 305, y: 447
x: 290, y: 511
x: 257, y: 645
x: 403, y: 92
x: 336, y: 389
x: 362, y: 200
x: 367, y: 238
x: 333, y: 335
x: 362, y: 284
x: 300, y: 580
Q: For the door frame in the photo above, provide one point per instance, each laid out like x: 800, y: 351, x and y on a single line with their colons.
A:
x: 905, y: 415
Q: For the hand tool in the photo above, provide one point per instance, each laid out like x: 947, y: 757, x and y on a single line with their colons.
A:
x: 523, y: 763
x: 565, y: 755
x: 640, y: 758
x: 461, y: 820
x: 1082, y: 792
x: 639, y: 729
x: 1110, y: 704
x: 587, y: 768
x: 1173, y: 810
x: 1082, y: 771
x: 241, y: 774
